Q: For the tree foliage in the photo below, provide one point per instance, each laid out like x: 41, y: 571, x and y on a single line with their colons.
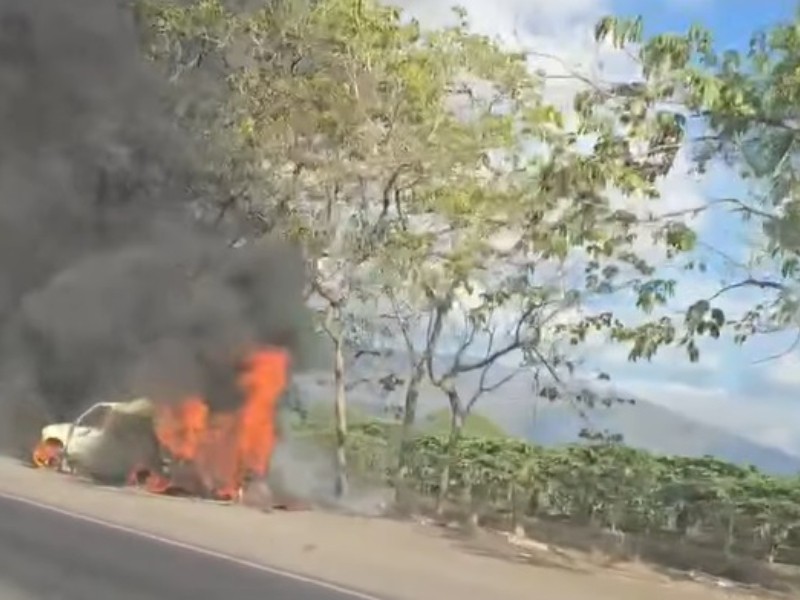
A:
x: 605, y: 484
x: 739, y: 109
x: 409, y: 151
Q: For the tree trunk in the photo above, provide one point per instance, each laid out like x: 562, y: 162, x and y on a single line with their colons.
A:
x: 456, y: 427
x: 340, y: 413
x: 730, y: 535
x: 409, y: 415
x: 406, y: 432
x: 517, y: 495
x: 474, y: 498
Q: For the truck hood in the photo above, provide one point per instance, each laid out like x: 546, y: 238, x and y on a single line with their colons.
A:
x: 57, y: 431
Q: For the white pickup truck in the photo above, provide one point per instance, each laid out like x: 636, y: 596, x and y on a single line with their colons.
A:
x: 108, y: 436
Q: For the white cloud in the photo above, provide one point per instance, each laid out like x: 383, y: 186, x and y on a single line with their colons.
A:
x: 784, y: 372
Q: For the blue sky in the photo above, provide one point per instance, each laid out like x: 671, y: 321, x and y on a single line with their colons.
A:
x: 727, y: 388
x: 732, y: 21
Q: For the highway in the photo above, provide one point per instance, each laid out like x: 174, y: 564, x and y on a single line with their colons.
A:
x: 47, y: 555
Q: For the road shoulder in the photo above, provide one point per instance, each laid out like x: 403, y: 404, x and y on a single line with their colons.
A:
x: 387, y: 558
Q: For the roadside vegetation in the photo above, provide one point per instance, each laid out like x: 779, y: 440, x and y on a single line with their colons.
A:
x: 597, y: 495
x: 450, y: 211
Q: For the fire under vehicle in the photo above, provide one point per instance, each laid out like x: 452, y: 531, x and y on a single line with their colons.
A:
x: 180, y: 447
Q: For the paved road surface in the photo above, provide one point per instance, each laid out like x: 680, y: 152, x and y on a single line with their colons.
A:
x: 45, y: 555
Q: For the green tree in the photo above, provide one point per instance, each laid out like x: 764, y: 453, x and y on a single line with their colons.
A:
x: 522, y: 198
x: 741, y: 109
x: 417, y: 167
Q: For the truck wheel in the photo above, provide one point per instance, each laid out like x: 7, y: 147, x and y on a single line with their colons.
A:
x: 48, y: 454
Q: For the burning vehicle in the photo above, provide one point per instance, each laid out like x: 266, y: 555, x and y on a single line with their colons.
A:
x: 177, y: 447
x: 74, y: 446
x: 124, y: 272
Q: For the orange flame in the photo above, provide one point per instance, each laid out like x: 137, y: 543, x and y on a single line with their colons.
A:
x: 47, y: 454
x: 224, y: 449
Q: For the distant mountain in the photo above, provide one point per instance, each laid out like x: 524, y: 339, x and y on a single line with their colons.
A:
x: 657, y: 429
x: 513, y: 408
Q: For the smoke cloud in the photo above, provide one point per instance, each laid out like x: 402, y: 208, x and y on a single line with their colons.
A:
x: 110, y: 284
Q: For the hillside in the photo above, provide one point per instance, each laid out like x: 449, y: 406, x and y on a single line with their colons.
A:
x: 643, y: 425
x: 657, y: 429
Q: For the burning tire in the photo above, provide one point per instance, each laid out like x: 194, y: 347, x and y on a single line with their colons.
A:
x: 48, y: 454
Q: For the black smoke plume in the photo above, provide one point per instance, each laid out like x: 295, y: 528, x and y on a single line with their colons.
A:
x: 111, y: 286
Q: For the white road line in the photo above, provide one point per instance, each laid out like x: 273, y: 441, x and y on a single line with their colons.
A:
x: 191, y: 547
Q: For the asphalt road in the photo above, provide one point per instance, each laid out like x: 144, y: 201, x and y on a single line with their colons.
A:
x: 46, y: 555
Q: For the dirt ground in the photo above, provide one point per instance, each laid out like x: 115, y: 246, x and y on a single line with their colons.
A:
x: 399, y: 560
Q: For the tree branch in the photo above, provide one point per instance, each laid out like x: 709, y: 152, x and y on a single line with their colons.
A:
x: 404, y: 329
x: 487, y: 389
x: 749, y: 282
x: 434, y: 331
x: 792, y: 347
x: 741, y: 207
x: 515, y: 344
